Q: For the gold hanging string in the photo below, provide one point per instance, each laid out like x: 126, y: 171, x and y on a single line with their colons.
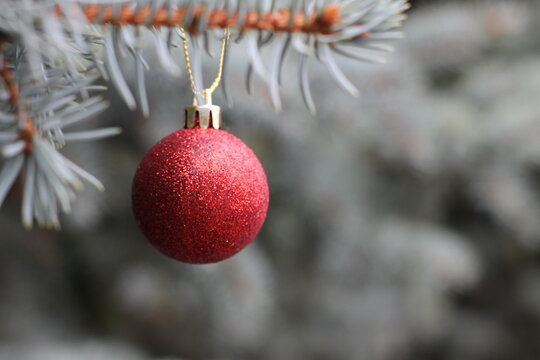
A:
x: 207, y: 93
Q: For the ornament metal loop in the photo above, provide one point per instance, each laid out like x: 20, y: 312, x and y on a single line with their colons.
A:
x: 204, y: 116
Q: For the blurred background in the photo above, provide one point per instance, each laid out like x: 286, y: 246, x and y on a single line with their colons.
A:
x: 402, y: 225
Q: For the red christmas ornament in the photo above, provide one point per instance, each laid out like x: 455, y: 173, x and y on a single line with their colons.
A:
x: 200, y: 195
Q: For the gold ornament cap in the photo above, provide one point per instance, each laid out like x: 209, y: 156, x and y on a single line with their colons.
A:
x: 205, y: 116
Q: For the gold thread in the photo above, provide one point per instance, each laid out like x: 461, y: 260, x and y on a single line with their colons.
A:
x: 207, y: 93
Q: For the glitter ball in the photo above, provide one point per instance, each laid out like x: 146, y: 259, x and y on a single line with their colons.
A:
x: 200, y: 195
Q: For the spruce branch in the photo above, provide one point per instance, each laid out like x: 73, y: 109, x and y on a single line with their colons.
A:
x: 356, y: 29
x: 33, y: 125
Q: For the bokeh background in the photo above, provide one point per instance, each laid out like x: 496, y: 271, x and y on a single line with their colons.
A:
x: 404, y: 224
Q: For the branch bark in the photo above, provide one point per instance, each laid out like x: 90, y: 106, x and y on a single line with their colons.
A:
x: 283, y: 20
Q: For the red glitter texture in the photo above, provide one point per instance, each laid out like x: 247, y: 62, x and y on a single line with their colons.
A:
x: 200, y: 195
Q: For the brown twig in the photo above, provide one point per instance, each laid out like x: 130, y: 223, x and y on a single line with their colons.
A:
x: 7, y: 76
x: 278, y: 21
x: 28, y: 127
x: 27, y: 133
